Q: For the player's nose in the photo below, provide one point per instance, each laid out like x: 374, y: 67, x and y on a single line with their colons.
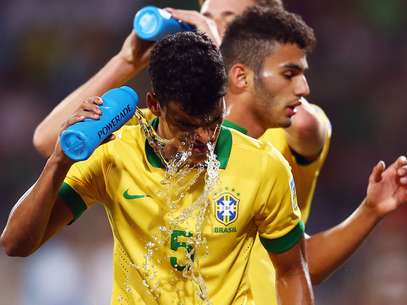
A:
x: 301, y: 86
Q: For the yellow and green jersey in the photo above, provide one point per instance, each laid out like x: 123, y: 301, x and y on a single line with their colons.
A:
x: 261, y: 271
x: 305, y: 173
x: 126, y: 176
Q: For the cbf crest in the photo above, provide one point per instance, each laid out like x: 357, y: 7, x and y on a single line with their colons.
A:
x: 226, y: 208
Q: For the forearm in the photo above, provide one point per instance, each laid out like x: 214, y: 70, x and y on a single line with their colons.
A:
x: 115, y: 73
x: 28, y: 221
x: 294, y: 288
x: 292, y: 277
x: 327, y: 250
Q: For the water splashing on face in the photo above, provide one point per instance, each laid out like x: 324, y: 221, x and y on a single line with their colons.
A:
x: 180, y: 176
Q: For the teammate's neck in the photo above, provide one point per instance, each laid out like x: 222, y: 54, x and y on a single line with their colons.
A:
x: 241, y: 113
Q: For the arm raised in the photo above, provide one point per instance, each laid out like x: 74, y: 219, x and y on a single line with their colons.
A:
x: 131, y: 59
x: 387, y: 190
x: 40, y: 212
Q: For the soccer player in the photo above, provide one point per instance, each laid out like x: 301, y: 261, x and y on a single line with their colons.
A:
x: 304, y: 144
x: 191, y: 247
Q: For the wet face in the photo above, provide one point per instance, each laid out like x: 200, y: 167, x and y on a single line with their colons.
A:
x: 190, y: 132
x: 280, y: 85
x: 224, y: 11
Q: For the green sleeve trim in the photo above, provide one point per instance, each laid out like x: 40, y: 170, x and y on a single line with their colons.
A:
x: 304, y: 161
x: 286, y: 242
x: 72, y: 200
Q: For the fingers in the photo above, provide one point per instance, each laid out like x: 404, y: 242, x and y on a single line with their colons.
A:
x: 73, y: 119
x: 90, y: 107
x: 377, y: 171
x: 399, y: 168
x: 191, y: 17
x: 201, y: 22
x: 87, y: 109
x: 401, y: 161
x: 402, y: 173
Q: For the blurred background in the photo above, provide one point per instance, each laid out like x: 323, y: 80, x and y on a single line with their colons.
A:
x: 358, y: 74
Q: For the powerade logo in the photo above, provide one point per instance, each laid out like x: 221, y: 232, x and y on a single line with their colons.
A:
x: 114, y: 122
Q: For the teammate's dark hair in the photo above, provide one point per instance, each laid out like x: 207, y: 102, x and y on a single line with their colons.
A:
x: 250, y: 38
x: 188, y: 68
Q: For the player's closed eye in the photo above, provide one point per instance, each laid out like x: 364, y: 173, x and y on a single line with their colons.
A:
x: 289, y: 74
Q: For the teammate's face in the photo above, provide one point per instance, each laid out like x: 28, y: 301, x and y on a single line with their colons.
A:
x: 224, y: 11
x: 280, y: 85
x: 186, y: 131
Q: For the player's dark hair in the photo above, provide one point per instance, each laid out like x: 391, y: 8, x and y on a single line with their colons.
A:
x: 270, y: 3
x: 265, y: 3
x: 188, y: 68
x: 250, y: 38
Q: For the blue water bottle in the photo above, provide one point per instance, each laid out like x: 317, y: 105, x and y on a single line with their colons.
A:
x: 79, y: 140
x: 152, y: 23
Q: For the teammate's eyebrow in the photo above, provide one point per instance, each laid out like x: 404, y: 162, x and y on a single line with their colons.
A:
x: 228, y: 13
x: 295, y: 67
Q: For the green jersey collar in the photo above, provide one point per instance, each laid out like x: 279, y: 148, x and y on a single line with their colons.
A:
x: 222, y: 149
x: 234, y: 126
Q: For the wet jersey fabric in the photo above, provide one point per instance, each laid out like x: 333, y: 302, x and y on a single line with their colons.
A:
x: 255, y: 196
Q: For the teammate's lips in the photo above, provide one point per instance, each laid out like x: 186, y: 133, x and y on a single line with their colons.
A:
x: 295, y: 103
x: 291, y: 109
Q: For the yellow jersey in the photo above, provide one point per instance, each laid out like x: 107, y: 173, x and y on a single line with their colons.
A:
x: 261, y: 271
x: 125, y: 175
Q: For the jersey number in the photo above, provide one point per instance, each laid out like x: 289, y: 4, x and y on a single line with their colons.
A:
x: 175, y: 244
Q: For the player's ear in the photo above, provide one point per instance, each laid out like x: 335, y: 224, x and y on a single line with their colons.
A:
x: 153, y: 103
x: 239, y: 78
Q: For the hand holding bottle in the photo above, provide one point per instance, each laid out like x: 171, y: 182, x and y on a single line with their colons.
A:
x: 86, y: 132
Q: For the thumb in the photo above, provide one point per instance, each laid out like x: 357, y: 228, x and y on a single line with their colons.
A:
x: 377, y: 171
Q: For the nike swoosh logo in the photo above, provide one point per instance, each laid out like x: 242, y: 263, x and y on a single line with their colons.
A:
x: 128, y: 196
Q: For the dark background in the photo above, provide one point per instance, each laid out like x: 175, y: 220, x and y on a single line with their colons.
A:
x: 358, y: 75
